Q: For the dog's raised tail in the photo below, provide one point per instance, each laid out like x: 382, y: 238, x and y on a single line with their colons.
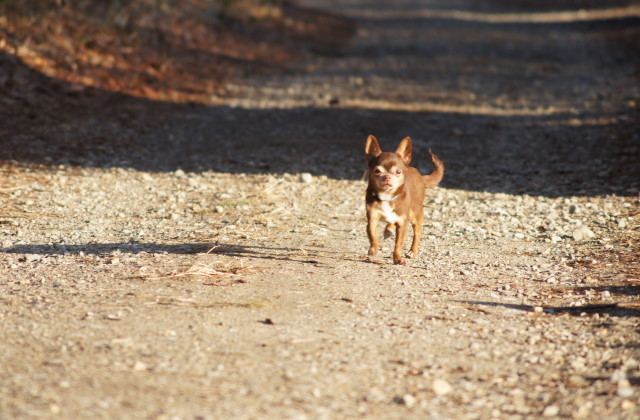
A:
x: 434, y: 178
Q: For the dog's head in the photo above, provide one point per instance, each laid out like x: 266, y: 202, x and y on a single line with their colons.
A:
x: 387, y: 170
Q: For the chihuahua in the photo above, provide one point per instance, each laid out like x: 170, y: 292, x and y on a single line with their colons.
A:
x: 395, y: 193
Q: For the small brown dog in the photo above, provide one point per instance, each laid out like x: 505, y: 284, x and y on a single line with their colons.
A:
x: 395, y: 193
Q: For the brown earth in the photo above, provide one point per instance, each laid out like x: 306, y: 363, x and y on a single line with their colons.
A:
x: 179, y: 247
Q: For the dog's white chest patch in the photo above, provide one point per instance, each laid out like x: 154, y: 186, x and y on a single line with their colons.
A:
x: 388, y: 214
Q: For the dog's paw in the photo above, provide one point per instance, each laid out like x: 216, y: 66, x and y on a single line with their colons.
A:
x: 412, y: 254
x: 373, y: 250
x: 399, y: 261
x: 397, y: 258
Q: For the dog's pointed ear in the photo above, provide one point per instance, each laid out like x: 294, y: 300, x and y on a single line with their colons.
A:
x: 404, y: 150
x: 372, y: 148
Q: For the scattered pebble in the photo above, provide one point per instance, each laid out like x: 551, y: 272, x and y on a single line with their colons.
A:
x: 583, y: 233
x: 32, y: 257
x: 551, y: 411
x: 306, y: 177
x: 407, y: 400
x: 140, y: 366
x: 625, y: 391
x: 441, y: 387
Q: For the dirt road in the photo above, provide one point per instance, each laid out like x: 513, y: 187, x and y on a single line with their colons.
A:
x: 174, y: 261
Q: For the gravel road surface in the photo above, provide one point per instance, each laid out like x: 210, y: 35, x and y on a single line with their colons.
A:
x: 180, y: 261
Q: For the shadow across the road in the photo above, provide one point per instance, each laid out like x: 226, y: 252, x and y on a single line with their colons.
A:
x: 107, y: 249
x: 27, y: 251
x: 626, y: 290
x: 553, y: 151
x: 611, y: 309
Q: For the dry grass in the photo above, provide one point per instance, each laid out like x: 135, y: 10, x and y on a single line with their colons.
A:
x: 216, y: 269
x: 178, y: 301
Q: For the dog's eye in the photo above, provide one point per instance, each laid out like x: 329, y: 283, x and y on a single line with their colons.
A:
x: 398, y: 172
x: 376, y: 171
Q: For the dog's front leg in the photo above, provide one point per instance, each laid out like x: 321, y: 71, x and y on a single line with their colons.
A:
x: 417, y: 232
x: 372, y: 225
x: 401, y: 233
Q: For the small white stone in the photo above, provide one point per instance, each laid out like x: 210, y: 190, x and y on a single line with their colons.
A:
x: 583, y: 233
x: 306, y: 177
x: 377, y: 396
x: 475, y: 346
x: 31, y: 257
x: 578, y: 364
x: 551, y: 411
x: 140, y: 366
x: 625, y: 391
x: 441, y: 387
x: 407, y: 400
x: 620, y: 377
